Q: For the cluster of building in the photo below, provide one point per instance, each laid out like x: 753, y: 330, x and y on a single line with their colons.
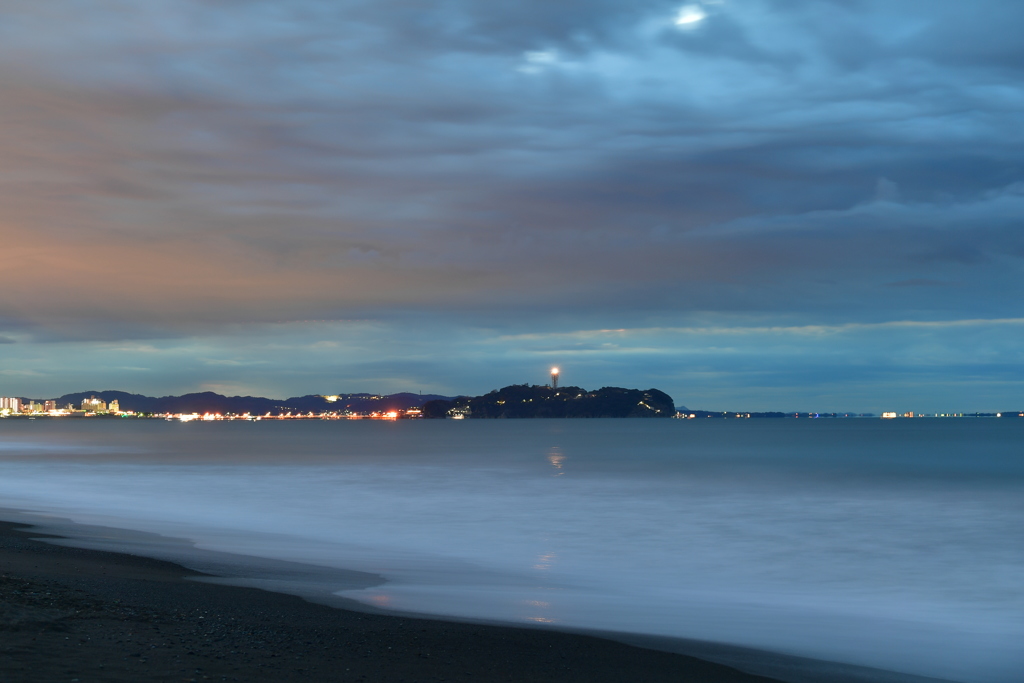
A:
x: 95, y: 406
x: 90, y: 406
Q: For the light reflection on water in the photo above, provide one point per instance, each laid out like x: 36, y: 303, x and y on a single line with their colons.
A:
x: 557, y: 460
x: 544, y: 561
x: 897, y: 544
x: 378, y: 599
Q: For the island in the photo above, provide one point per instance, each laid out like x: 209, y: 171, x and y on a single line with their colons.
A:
x: 526, y: 401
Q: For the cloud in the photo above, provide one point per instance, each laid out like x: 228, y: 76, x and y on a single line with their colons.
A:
x: 186, y: 170
x: 689, y: 15
x: 920, y: 282
x: 760, y: 330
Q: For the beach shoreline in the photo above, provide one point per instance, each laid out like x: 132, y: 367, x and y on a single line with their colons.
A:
x: 115, y: 615
x: 70, y: 613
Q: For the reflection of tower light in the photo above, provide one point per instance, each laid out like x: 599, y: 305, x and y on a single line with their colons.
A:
x: 554, y: 378
x: 556, y: 459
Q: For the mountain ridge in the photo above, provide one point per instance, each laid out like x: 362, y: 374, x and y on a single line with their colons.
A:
x: 212, y: 402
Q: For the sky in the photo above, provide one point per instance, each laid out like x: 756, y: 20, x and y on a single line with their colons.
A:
x: 749, y: 204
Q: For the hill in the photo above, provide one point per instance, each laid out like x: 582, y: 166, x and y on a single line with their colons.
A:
x: 525, y: 401
x: 210, y: 402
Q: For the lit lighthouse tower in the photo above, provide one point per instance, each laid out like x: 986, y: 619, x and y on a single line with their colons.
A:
x: 554, y: 378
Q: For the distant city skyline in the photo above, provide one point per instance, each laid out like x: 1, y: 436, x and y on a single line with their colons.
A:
x: 88, y: 402
x: 747, y: 204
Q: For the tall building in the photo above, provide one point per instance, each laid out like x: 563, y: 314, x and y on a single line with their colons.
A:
x: 94, y: 405
x: 114, y: 407
x: 10, y: 404
x: 49, y: 405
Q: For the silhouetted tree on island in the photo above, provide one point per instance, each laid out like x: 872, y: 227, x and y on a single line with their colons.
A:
x: 526, y: 401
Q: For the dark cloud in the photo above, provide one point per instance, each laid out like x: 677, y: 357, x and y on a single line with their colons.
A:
x: 189, y: 168
x: 971, y: 34
x: 721, y: 36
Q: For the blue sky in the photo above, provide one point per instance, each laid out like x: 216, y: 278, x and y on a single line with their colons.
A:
x: 751, y: 204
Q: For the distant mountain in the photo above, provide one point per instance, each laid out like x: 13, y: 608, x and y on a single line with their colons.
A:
x: 525, y: 401
x: 210, y: 402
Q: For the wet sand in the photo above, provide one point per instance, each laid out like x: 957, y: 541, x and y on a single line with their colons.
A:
x: 71, y: 614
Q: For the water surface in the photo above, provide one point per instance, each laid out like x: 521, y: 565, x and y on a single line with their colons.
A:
x: 893, y: 544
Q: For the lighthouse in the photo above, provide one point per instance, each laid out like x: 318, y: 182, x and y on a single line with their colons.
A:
x: 554, y: 378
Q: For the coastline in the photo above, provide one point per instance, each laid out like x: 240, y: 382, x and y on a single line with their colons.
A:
x: 70, y: 612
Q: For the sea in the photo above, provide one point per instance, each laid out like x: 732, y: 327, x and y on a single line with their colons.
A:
x: 895, y: 545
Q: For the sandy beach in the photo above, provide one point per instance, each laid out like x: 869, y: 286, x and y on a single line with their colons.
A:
x: 68, y: 614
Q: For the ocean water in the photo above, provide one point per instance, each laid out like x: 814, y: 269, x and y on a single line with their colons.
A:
x: 895, y: 544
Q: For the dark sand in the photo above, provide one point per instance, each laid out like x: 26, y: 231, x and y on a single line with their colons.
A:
x: 70, y: 614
